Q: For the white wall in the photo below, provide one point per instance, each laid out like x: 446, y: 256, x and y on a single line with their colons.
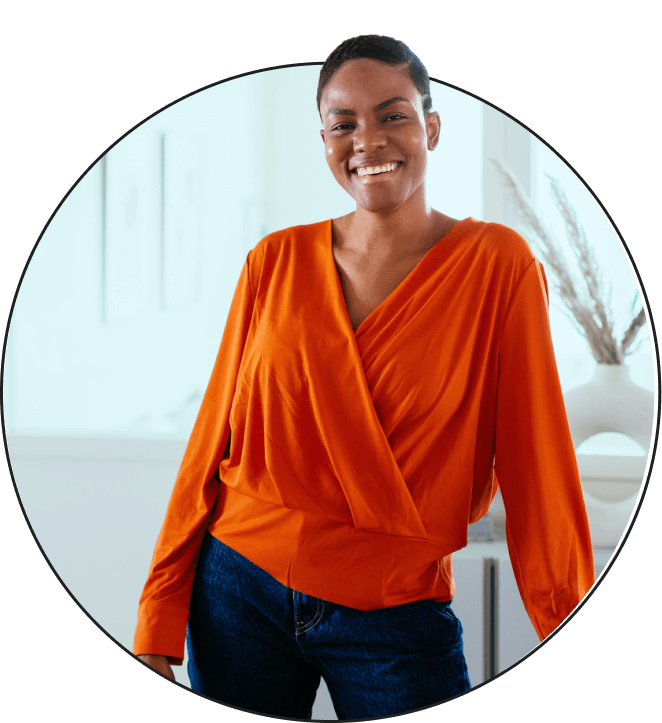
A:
x: 74, y: 372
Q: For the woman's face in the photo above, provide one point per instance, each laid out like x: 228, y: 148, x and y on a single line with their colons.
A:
x: 376, y: 136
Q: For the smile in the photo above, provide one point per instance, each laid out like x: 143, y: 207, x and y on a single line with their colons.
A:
x: 374, y: 170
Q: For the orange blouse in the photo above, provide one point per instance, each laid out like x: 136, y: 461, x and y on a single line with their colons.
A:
x: 357, y: 459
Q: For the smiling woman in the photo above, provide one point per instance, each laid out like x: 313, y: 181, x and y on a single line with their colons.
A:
x: 380, y: 375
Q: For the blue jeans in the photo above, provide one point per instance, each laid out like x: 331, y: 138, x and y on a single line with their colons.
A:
x: 258, y: 645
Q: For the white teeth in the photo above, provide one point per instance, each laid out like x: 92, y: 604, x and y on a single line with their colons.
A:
x: 372, y: 170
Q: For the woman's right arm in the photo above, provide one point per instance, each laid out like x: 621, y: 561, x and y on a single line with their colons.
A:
x: 164, y: 605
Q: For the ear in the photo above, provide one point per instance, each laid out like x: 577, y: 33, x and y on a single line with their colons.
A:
x: 322, y: 134
x: 433, y: 128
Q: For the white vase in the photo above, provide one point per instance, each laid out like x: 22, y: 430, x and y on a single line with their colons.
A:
x: 610, y: 402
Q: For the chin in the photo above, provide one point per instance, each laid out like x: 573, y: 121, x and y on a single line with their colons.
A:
x: 379, y: 205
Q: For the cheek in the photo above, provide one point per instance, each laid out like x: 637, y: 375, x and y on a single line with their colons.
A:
x: 418, y: 146
x: 333, y: 156
x: 418, y: 141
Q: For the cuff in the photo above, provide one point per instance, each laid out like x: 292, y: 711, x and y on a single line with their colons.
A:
x: 161, y: 630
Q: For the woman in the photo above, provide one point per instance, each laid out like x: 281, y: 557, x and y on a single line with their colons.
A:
x: 377, y: 373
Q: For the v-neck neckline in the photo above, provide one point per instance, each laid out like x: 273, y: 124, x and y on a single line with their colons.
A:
x: 398, y: 289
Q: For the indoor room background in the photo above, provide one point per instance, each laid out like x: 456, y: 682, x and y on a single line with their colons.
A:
x: 122, y: 308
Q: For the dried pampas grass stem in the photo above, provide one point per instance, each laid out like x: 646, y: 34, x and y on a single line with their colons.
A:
x: 582, y: 294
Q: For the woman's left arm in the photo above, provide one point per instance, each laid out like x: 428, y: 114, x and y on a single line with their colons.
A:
x: 546, y: 524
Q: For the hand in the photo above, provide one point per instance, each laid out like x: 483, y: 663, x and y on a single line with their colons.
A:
x: 159, y: 663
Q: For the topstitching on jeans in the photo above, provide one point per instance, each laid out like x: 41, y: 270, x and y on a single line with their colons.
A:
x: 316, y: 619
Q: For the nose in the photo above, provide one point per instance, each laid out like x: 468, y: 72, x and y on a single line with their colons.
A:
x: 369, y: 138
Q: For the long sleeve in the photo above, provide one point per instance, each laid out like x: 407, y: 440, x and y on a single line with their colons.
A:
x: 546, y: 524
x: 164, y: 604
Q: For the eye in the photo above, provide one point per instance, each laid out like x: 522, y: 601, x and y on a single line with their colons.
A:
x: 341, y: 127
x: 395, y: 116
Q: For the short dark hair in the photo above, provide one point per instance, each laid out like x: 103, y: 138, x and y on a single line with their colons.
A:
x: 385, y: 50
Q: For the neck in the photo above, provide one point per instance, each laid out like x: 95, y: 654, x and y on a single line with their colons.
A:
x: 411, y: 228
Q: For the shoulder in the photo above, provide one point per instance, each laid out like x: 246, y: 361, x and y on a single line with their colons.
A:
x: 506, y: 253
x: 291, y: 238
x: 506, y: 242
x: 282, y: 249
x: 499, y: 253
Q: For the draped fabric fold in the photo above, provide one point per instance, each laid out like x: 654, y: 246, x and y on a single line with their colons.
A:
x: 357, y: 459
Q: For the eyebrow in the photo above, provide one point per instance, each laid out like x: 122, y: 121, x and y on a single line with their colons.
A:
x: 377, y: 108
